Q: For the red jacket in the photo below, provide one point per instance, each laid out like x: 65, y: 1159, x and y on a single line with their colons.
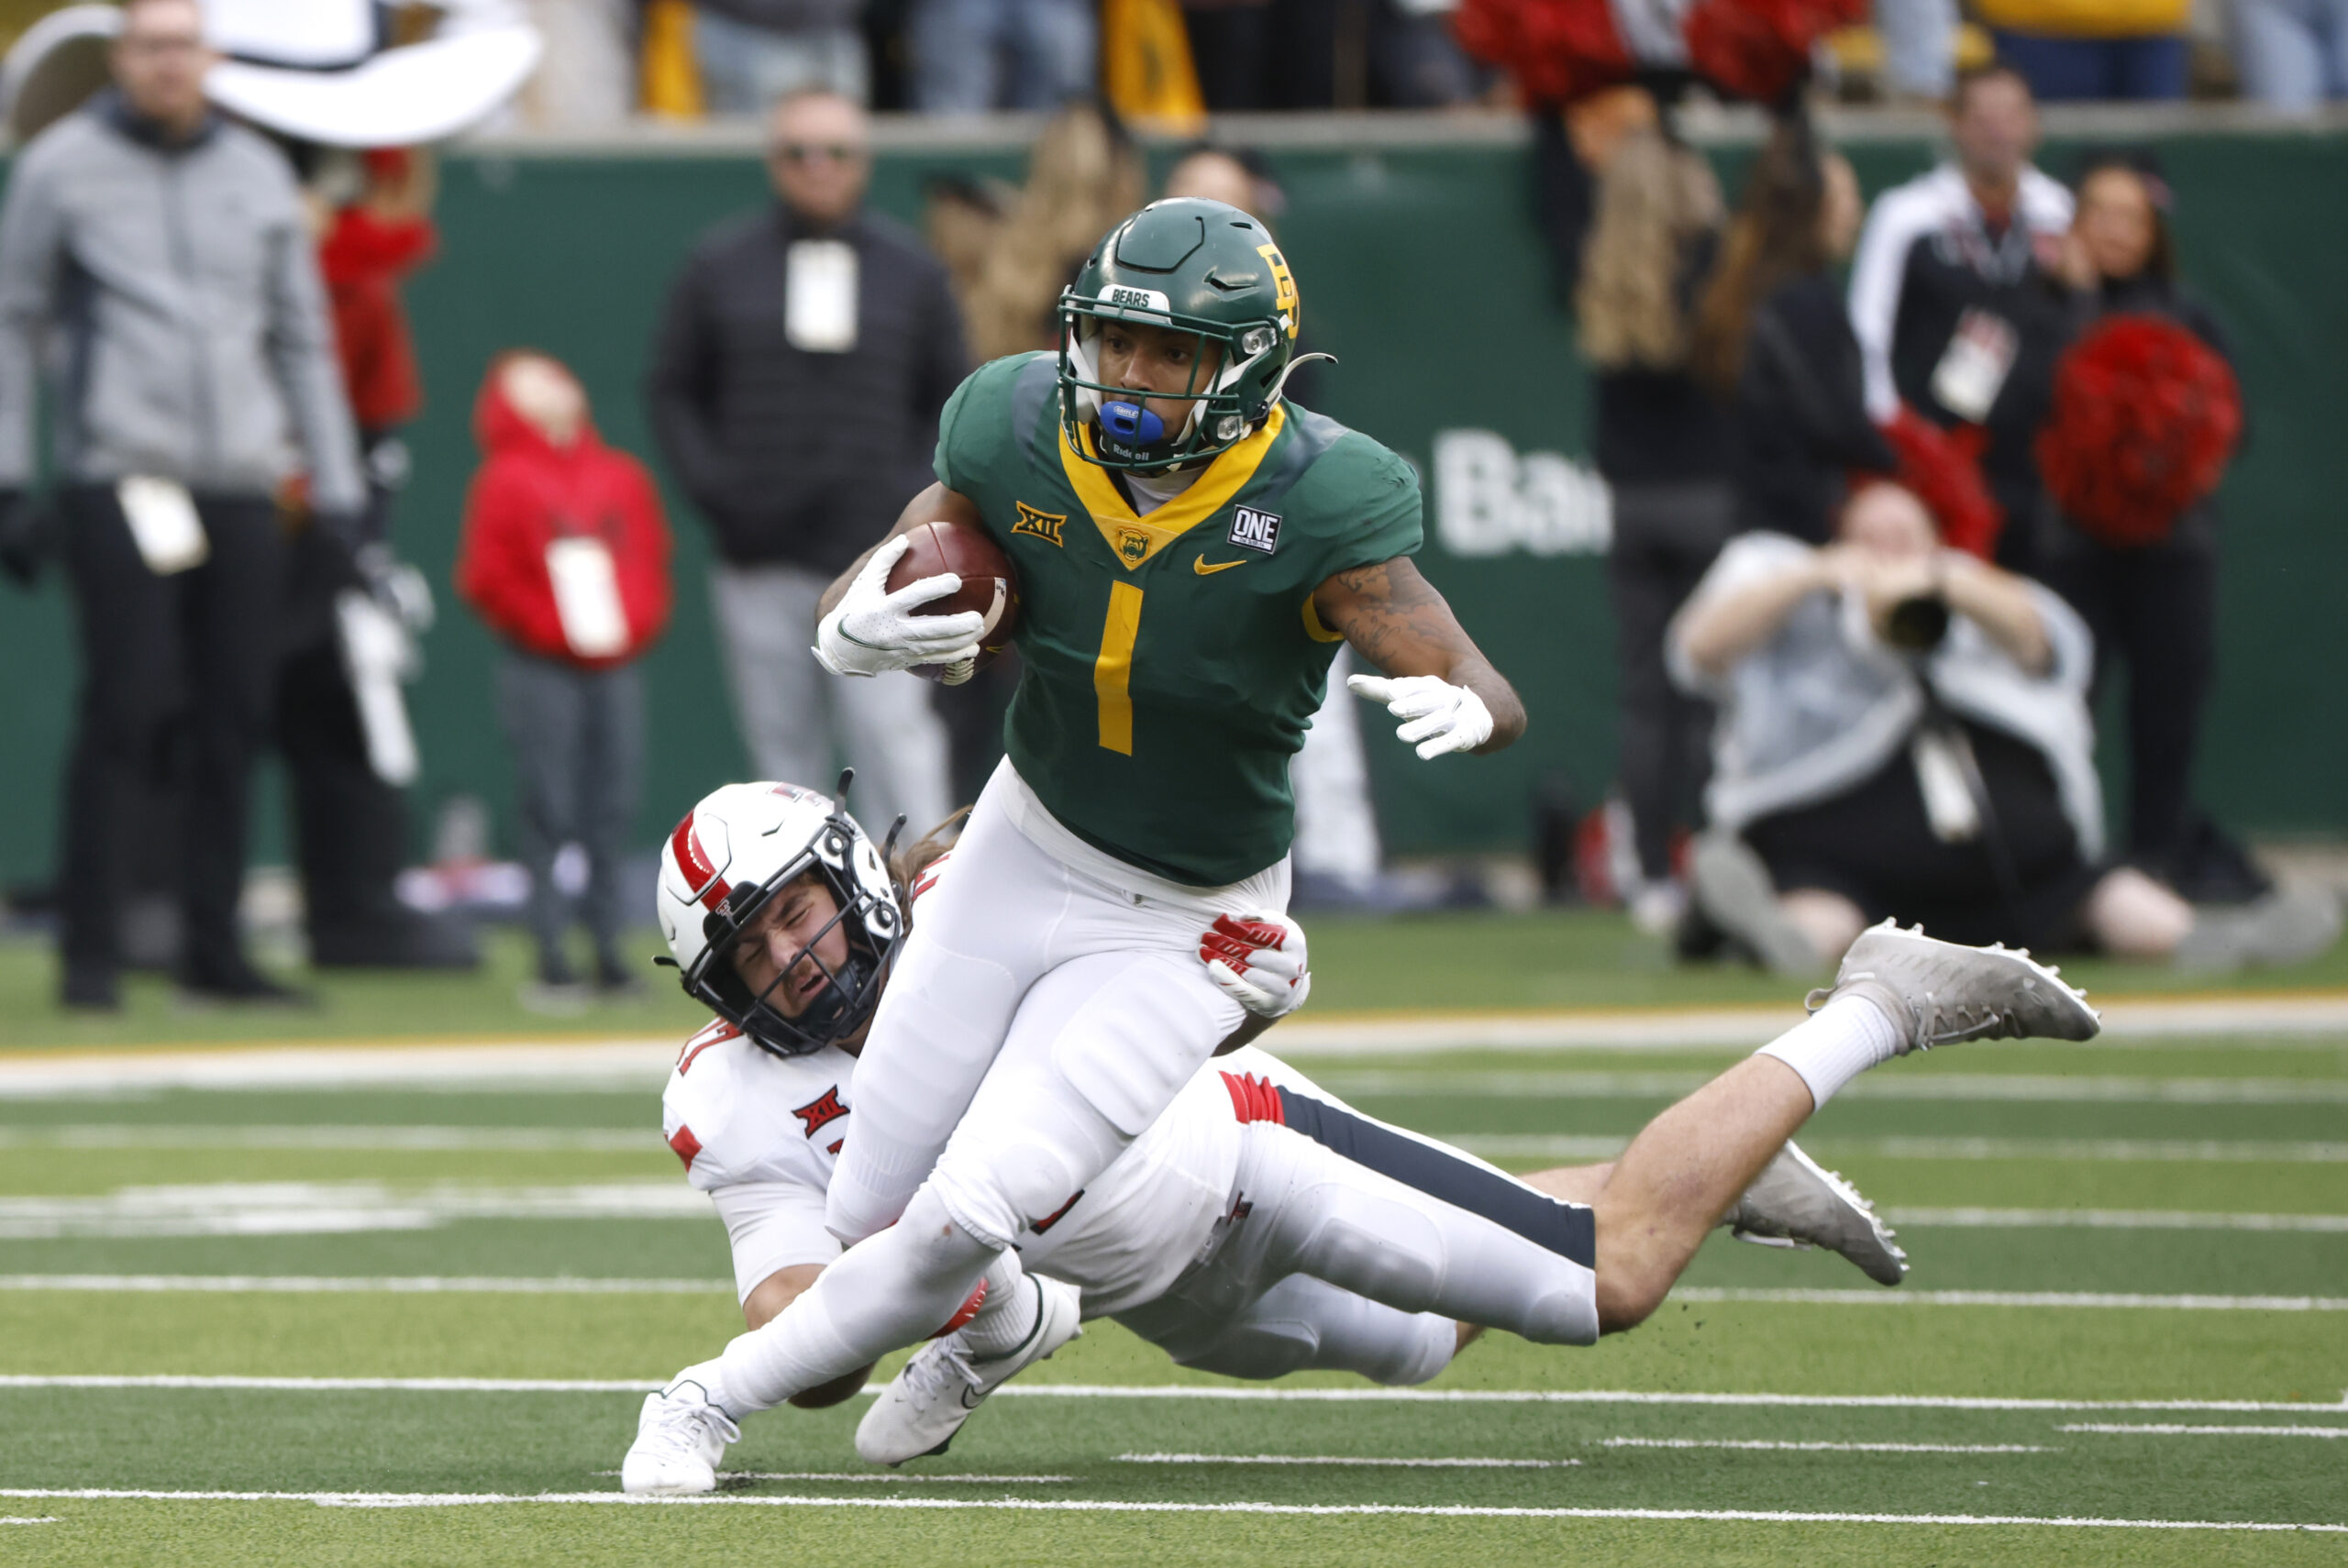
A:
x: 364, y: 259
x: 530, y: 492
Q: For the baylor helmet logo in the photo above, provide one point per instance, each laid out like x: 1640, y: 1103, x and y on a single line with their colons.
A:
x: 1040, y: 524
x: 1283, y: 288
x: 1133, y: 546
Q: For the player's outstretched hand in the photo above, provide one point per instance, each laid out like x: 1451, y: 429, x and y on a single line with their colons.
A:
x: 1438, y: 716
x: 1257, y: 960
x: 871, y: 629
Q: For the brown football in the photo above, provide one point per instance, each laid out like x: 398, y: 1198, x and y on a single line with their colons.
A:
x: 988, y: 585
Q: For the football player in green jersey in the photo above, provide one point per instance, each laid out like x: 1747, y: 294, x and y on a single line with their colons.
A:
x: 1191, y: 550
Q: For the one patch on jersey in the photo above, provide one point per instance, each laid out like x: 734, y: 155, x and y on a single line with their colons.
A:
x: 821, y: 1111
x: 1254, y: 530
x: 1037, y: 524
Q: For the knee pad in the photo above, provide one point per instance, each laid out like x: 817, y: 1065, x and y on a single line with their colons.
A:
x: 994, y: 1188
x: 1387, y: 1252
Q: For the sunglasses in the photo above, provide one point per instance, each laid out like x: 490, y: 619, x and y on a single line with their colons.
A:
x: 809, y: 152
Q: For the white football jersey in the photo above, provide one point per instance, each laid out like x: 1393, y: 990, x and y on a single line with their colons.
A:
x: 760, y: 1133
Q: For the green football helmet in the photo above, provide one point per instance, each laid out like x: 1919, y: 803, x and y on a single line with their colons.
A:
x: 1190, y: 266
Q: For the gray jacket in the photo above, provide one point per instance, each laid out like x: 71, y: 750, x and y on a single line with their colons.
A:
x: 1823, y: 704
x: 170, y: 298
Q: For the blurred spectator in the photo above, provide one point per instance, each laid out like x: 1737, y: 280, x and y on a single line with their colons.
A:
x: 801, y: 362
x: 1919, y: 47
x: 1660, y: 438
x: 1083, y: 174
x: 2085, y: 50
x: 1904, y: 733
x: 755, y: 53
x: 1319, y: 54
x: 2291, y: 54
x: 566, y: 556
x: 350, y: 823
x: 971, y: 56
x: 189, y: 335
x: 587, y: 78
x: 2152, y: 605
x: 1949, y: 297
x: 1774, y: 338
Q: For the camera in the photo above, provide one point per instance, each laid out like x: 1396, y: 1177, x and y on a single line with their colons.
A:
x: 1917, y: 624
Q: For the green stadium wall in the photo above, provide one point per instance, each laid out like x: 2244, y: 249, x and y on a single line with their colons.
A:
x: 1423, y: 271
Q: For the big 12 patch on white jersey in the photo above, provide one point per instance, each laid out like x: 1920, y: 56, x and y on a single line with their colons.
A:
x: 1254, y: 530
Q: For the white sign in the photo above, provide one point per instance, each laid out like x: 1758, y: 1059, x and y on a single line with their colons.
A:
x: 1490, y: 500
x: 819, y: 293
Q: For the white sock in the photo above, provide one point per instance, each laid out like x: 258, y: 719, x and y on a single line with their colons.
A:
x: 1836, y: 1043
x: 1008, y: 1314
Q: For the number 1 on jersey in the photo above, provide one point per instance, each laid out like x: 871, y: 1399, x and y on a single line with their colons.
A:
x: 1113, y: 670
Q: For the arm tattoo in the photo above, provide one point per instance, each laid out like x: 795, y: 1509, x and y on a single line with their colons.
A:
x: 1394, y: 614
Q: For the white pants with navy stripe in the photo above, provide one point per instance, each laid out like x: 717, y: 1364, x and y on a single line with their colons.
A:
x: 1356, y: 1245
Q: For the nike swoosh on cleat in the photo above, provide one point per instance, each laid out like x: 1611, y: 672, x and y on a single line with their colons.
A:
x: 1199, y: 566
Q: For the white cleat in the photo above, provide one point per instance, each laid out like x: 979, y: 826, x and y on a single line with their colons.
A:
x: 1941, y: 993
x: 679, y: 1438
x: 919, y: 1412
x: 1794, y: 1203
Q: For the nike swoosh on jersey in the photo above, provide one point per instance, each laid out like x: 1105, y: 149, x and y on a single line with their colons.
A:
x: 1201, y: 565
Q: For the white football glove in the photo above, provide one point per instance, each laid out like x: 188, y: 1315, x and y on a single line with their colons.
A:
x: 1257, y: 960
x: 1438, y: 716
x: 871, y: 629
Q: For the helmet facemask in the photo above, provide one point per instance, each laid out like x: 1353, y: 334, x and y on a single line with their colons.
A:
x: 872, y: 925
x: 1113, y: 426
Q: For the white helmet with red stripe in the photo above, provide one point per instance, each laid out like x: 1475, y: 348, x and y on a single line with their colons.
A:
x: 737, y: 849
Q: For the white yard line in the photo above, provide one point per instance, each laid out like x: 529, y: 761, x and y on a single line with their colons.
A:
x: 356, y: 1139
x: 2115, y: 1220
x: 1076, y: 1505
x: 395, y: 1285
x: 2068, y: 1298
x: 886, y: 1478
x: 1985, y: 1087
x: 334, y: 1208
x: 2170, y: 1431
x: 1835, y: 1447
x: 1205, y: 1391
x: 2150, y: 1151
x: 12, y: 1520
x: 1340, y: 1459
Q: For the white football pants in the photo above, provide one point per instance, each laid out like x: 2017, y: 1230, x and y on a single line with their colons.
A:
x: 1047, y: 1006
x: 1020, y: 898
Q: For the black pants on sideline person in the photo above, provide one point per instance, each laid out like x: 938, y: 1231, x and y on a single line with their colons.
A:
x: 192, y: 655
x: 350, y: 829
x: 1874, y: 845
x: 577, y: 739
x: 2153, y: 608
x: 1665, y: 538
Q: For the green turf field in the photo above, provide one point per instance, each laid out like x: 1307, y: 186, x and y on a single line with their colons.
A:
x: 2130, y: 1306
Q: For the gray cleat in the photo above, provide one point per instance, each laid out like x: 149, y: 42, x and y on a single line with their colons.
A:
x: 1793, y: 1203
x: 1940, y: 993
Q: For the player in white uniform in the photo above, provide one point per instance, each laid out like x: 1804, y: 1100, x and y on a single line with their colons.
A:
x: 1258, y: 1227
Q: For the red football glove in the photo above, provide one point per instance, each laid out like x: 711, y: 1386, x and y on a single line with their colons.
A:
x: 1257, y: 960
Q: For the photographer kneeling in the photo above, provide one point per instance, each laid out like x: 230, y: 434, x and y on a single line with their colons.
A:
x: 1903, y: 732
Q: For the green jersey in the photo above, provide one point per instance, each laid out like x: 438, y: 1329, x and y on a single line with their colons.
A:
x: 1173, y: 660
